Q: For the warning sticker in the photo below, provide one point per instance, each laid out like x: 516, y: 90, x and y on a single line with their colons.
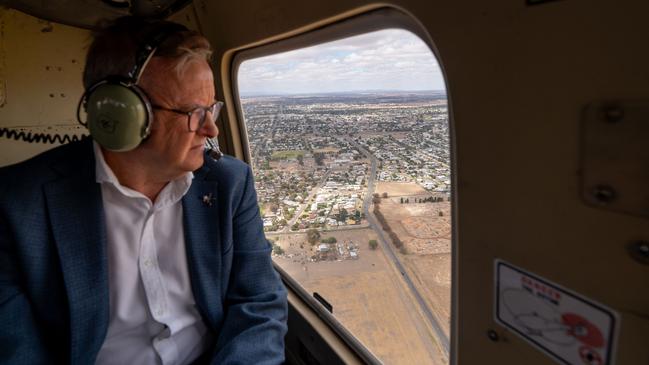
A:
x: 569, y: 327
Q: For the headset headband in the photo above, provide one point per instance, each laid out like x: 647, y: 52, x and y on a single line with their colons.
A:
x: 148, y: 48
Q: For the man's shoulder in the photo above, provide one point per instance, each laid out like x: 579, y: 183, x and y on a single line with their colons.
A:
x: 227, y: 169
x: 47, y: 165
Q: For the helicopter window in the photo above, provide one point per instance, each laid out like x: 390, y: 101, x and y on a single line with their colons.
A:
x: 350, y: 146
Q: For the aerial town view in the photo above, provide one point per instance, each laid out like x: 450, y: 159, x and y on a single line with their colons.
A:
x: 354, y: 192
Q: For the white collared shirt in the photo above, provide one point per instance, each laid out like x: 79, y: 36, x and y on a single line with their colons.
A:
x: 153, y: 315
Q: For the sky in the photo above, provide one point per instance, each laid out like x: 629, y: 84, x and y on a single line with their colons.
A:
x: 391, y: 59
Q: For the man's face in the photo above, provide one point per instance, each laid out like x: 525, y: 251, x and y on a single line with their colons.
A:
x: 171, y: 147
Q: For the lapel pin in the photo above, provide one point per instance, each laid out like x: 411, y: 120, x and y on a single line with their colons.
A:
x: 207, y: 199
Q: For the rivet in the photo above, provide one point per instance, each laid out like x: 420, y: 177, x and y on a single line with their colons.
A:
x: 603, y: 194
x: 613, y: 114
x: 493, y: 335
x: 644, y: 249
x: 639, y: 250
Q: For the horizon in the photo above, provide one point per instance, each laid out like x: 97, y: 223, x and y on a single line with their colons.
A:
x: 343, y: 92
x: 388, y: 59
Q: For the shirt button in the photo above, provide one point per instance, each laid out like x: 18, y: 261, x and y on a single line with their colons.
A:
x: 160, y: 312
x: 147, y: 263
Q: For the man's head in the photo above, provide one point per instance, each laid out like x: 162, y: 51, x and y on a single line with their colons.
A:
x: 177, y: 77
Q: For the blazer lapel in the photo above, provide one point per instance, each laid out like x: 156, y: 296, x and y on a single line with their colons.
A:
x: 76, y: 214
x: 203, y: 245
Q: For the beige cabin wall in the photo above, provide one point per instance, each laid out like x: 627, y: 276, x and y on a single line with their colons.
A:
x: 518, y: 78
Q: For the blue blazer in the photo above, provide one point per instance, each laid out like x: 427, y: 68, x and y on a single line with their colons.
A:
x: 54, y: 297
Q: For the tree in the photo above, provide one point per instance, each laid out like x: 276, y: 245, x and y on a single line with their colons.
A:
x: 395, y: 239
x: 385, y: 195
x: 373, y: 244
x: 342, y: 215
x: 277, y: 249
x: 270, y: 228
x: 312, y: 236
x: 401, y: 200
x: 319, y: 157
x: 441, y: 214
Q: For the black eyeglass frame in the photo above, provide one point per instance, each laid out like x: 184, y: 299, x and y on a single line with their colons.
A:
x: 214, y: 109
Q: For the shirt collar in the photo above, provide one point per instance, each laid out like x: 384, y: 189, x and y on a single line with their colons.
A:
x: 170, y: 194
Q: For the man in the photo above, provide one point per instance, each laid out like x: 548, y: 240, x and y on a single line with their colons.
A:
x: 155, y: 254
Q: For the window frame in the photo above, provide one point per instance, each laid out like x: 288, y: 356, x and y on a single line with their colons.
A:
x: 384, y: 17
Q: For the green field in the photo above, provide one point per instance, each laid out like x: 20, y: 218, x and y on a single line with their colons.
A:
x: 285, y: 155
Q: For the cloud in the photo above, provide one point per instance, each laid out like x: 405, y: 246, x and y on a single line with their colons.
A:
x: 386, y: 59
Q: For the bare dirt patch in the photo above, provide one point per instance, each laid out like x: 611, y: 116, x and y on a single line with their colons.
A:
x: 432, y: 276
x: 425, y: 230
x: 367, y: 295
x: 399, y: 188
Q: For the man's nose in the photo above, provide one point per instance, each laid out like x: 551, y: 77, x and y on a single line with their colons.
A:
x: 209, y: 129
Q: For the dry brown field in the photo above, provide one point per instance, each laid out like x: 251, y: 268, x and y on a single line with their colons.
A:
x: 326, y: 150
x: 432, y: 276
x: 368, y: 297
x: 427, y: 238
x: 399, y: 189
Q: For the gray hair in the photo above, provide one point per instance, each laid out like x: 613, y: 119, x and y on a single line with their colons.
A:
x: 114, y: 47
x: 189, y: 55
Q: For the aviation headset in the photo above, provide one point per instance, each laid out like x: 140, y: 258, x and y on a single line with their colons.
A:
x: 118, y: 111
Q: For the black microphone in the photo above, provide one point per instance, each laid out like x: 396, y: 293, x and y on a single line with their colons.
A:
x: 213, y: 149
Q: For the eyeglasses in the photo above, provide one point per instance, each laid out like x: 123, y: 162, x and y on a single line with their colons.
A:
x: 196, y: 117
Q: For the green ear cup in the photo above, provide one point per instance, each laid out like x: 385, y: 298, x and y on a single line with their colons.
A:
x: 118, y: 117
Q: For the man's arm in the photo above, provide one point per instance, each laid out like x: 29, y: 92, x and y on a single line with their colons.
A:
x: 20, y: 338
x: 255, y: 304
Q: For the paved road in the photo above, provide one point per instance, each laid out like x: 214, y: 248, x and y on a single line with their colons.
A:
x: 330, y: 229
x: 387, y: 247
